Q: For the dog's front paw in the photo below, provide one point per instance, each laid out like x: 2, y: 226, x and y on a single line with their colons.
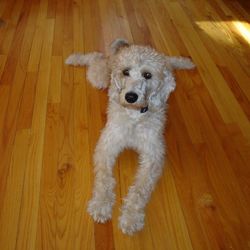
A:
x: 131, y: 221
x: 101, y: 211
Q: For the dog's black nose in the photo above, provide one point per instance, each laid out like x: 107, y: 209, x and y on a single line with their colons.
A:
x: 131, y: 97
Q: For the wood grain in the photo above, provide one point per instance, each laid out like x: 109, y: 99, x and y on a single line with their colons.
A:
x: 10, y: 211
x: 31, y: 189
x: 51, y: 118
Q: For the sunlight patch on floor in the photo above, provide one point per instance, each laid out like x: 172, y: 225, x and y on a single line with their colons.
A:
x: 225, y: 35
x: 244, y: 29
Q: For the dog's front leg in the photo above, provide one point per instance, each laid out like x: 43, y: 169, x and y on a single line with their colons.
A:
x: 107, y: 149
x: 151, y: 163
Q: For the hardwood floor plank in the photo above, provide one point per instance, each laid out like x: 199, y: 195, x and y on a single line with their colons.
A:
x: 8, y: 127
x: 2, y: 7
x: 30, y: 201
x: 51, y: 12
x: 4, y: 96
x: 237, y: 10
x: 186, y: 89
x: 10, y: 210
x: 55, y: 80
x: 46, y: 229
x: 9, y: 16
x: 59, y: 25
x: 78, y: 38
x: 16, y: 45
x: 27, y: 102
x: 184, y: 162
x: 172, y: 40
x: 123, y: 28
x: 140, y: 33
x: 66, y: 166
x: 83, y: 225
x: 224, y: 7
x: 178, y: 231
x: 242, y: 99
x: 35, y: 53
x: 3, y: 59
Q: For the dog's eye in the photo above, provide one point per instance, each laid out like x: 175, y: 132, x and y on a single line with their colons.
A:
x: 125, y: 72
x: 147, y: 75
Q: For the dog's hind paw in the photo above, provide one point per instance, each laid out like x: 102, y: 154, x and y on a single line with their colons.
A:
x: 131, y: 222
x: 101, y: 211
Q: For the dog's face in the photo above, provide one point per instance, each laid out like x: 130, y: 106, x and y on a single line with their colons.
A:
x: 139, y: 74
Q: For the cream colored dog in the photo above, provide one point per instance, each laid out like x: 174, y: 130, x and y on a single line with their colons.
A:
x: 140, y: 80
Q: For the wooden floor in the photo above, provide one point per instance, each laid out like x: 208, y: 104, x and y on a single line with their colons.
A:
x: 50, y: 120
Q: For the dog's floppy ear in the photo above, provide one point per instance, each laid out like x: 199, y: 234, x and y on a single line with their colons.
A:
x: 179, y: 62
x: 98, y: 72
x: 118, y: 44
x: 167, y: 85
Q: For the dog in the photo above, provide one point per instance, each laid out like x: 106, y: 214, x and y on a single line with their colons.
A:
x: 140, y: 80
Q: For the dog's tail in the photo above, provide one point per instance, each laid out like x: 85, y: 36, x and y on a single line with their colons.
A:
x: 83, y: 59
x: 181, y: 62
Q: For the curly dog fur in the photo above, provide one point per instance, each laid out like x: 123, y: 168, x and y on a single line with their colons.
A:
x: 140, y: 81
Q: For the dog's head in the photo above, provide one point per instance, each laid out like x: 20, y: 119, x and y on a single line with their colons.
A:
x: 140, y: 76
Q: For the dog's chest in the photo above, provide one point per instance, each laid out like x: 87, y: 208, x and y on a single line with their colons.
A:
x: 135, y: 128
x: 135, y: 132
